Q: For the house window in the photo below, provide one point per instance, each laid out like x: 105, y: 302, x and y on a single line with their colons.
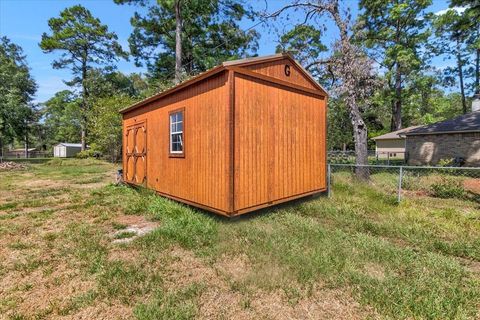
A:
x: 176, y: 133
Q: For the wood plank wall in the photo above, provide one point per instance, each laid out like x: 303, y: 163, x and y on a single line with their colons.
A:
x: 276, y: 69
x: 202, y: 177
x: 279, y: 142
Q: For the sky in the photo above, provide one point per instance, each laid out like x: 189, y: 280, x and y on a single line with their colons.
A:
x: 24, y: 21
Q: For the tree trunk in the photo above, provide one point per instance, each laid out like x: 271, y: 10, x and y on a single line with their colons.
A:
x: 360, y: 139
x: 346, y: 55
x: 396, y: 122
x: 84, y: 120
x: 359, y: 128
x: 477, y: 72
x: 26, y: 138
x: 178, y: 41
x: 83, y: 134
x: 1, y: 149
x: 460, y: 77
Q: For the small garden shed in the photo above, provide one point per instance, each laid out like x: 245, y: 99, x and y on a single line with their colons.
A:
x: 244, y: 135
x: 66, y: 150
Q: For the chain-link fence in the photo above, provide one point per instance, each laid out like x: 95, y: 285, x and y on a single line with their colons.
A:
x: 410, y: 181
x: 374, y: 157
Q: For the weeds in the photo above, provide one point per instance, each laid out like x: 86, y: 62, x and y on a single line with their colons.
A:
x: 10, y: 205
x: 176, y: 306
x: 122, y: 281
x: 184, y: 225
x: 125, y: 235
x: 448, y: 187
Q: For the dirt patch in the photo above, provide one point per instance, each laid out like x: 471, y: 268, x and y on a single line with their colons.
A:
x: 470, y: 265
x: 135, y: 226
x: 472, y: 185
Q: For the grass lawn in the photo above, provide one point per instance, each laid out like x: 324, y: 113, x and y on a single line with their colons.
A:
x: 68, y: 251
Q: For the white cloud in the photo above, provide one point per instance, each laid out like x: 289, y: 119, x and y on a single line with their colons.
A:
x: 47, y: 87
x: 459, y: 10
x: 26, y: 37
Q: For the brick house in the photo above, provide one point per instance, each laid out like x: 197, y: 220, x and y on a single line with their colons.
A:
x: 457, y: 138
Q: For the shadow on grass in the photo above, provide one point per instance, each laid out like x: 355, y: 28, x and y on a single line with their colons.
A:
x: 288, y: 205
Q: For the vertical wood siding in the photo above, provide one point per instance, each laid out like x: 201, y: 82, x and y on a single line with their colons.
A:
x: 276, y: 69
x: 279, y: 142
x: 248, y: 142
x: 202, y: 176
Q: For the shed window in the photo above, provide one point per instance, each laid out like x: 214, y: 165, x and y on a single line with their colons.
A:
x: 176, y: 132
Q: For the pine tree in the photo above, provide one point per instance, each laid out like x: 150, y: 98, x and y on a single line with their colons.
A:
x: 85, y: 43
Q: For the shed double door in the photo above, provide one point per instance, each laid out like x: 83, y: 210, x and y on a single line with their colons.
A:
x: 136, y: 154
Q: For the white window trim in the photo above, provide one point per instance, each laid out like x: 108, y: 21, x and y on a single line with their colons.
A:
x: 175, y: 132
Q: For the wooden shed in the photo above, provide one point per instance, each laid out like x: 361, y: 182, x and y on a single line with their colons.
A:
x: 244, y: 135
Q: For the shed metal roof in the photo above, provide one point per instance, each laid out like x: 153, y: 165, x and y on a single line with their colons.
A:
x: 469, y: 122
x: 66, y: 144
x: 224, y: 66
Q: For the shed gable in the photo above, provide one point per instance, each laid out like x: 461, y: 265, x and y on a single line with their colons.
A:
x: 283, y: 69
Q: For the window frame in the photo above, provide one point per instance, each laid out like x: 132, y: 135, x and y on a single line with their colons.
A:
x: 171, y: 153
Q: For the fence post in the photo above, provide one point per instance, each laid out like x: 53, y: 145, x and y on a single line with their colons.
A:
x: 400, y: 177
x: 329, y: 172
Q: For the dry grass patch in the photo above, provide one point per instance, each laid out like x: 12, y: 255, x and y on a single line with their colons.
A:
x: 218, y: 300
x: 375, y: 271
x: 237, y: 267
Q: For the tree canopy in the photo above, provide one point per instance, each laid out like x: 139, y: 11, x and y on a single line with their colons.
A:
x: 396, y: 32
x: 210, y: 34
x: 17, y: 89
x: 376, y: 65
x: 84, y: 43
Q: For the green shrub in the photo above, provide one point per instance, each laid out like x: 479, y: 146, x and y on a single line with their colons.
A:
x: 449, y: 162
x: 72, y: 162
x: 448, y: 187
x: 90, y: 153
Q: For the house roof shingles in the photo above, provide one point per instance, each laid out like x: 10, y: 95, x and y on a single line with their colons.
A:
x: 469, y: 122
x: 394, y: 134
